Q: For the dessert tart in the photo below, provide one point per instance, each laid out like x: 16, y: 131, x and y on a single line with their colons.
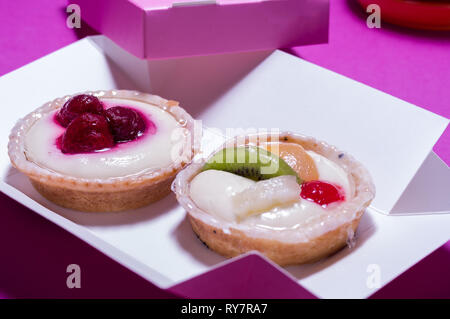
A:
x: 104, y: 150
x: 293, y: 198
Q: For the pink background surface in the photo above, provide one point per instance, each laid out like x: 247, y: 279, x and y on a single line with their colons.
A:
x: 411, y: 65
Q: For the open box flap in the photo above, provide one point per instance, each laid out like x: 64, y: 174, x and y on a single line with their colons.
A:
x: 250, y: 276
x: 428, y: 192
x: 390, y: 242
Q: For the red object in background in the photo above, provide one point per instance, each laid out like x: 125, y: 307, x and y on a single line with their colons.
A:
x: 429, y: 15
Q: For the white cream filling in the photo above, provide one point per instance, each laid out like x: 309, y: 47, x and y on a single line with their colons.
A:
x: 213, y: 192
x: 331, y: 172
x: 146, y: 153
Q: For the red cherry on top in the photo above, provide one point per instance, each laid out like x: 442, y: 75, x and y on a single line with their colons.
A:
x: 321, y: 193
x: 126, y: 124
x: 86, y: 133
x: 76, y: 106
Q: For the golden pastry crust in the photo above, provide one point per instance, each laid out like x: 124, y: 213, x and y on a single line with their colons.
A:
x: 105, y: 201
x: 238, y: 242
x: 317, y: 238
x: 101, y: 194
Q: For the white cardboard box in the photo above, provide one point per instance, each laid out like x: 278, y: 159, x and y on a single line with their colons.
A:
x: 261, y: 90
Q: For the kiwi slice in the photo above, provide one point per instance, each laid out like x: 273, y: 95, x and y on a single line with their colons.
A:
x: 250, y: 161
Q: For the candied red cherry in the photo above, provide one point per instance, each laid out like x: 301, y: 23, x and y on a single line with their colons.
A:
x: 321, y: 193
x: 87, y: 133
x: 78, y: 105
x: 126, y: 124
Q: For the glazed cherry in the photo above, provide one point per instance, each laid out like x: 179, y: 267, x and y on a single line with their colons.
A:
x: 127, y: 124
x: 321, y: 193
x: 86, y: 133
x: 76, y: 106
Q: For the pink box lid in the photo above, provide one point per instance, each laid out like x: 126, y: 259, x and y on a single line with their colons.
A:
x: 157, y: 29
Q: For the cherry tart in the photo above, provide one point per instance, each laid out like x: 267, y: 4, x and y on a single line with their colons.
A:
x: 293, y: 198
x: 104, y: 150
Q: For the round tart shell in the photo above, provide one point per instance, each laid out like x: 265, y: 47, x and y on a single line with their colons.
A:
x: 315, y: 239
x: 100, y: 194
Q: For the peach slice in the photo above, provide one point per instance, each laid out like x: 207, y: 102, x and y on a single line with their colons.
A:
x: 297, y: 158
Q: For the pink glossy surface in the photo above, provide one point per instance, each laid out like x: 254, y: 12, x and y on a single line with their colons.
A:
x: 150, y: 4
x: 150, y: 31
x: 408, y: 64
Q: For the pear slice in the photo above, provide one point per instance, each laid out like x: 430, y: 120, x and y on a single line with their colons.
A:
x: 265, y: 195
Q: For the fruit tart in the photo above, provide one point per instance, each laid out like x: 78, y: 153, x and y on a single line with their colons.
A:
x: 293, y: 198
x: 105, y: 150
